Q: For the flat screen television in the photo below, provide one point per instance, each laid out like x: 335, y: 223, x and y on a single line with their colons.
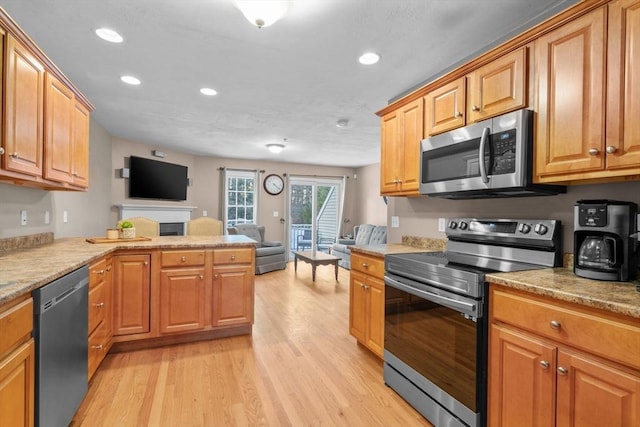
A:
x: 152, y: 179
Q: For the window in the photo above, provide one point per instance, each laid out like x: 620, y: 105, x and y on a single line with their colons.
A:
x: 241, y: 200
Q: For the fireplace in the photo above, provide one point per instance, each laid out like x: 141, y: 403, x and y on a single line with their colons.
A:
x: 172, y: 219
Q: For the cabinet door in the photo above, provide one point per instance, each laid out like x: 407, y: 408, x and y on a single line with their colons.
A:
x: 59, y: 114
x: 358, y: 306
x: 24, y: 96
x: 182, y: 300
x: 390, y: 156
x: 498, y: 87
x: 375, y: 308
x: 521, y: 380
x: 232, y: 295
x: 591, y: 393
x: 444, y: 108
x: 570, y: 69
x: 80, y: 152
x: 412, y: 132
x: 17, y: 379
x: 131, y: 308
x: 623, y: 86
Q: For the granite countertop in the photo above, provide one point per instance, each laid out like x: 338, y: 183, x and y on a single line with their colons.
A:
x: 24, y: 270
x: 562, y: 284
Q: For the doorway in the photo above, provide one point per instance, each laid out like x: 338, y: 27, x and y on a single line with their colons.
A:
x: 315, y: 207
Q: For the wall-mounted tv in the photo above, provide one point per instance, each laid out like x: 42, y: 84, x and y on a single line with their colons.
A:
x: 152, y: 179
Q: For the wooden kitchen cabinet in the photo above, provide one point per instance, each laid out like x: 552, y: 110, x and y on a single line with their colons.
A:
x: 23, y: 110
x: 554, y: 363
x: 131, y: 291
x: 366, y: 301
x: 233, y: 286
x: 17, y: 363
x: 587, y: 97
x: 182, y: 291
x: 401, y: 131
x: 488, y: 91
x: 45, y: 137
x: 100, y: 312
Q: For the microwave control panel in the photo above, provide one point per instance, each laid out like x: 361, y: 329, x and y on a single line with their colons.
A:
x: 503, y: 145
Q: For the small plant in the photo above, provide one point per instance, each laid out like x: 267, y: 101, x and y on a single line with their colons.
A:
x: 125, y: 224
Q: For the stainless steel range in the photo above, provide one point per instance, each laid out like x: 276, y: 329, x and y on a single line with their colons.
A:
x: 435, y: 339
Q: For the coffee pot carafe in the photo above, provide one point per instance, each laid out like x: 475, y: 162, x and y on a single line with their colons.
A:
x: 604, y: 248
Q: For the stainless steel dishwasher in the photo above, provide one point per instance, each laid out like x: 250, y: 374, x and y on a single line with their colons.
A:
x: 61, y: 322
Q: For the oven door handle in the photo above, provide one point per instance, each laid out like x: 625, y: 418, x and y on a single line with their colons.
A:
x: 460, y: 306
x: 483, y: 143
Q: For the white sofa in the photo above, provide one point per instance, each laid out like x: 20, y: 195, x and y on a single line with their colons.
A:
x: 365, y: 234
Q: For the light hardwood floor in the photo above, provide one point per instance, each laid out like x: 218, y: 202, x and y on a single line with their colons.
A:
x: 300, y: 367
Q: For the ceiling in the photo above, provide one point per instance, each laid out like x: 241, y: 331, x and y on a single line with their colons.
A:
x: 291, y: 81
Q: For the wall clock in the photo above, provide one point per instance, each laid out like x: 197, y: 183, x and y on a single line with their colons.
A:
x: 273, y: 184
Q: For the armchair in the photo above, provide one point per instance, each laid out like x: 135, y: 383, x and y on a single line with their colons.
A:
x: 270, y: 255
x: 365, y: 234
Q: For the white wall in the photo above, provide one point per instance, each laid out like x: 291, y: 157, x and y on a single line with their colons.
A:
x: 371, y: 208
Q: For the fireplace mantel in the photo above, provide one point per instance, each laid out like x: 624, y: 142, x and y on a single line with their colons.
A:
x: 156, y: 213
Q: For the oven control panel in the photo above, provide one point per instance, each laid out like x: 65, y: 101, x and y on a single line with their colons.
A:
x: 535, y: 229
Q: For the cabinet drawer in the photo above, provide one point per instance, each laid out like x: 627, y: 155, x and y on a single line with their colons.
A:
x: 370, y: 265
x: 96, y: 306
x: 596, y: 333
x: 16, y: 323
x: 99, y: 343
x: 182, y: 258
x: 97, y: 272
x: 233, y: 256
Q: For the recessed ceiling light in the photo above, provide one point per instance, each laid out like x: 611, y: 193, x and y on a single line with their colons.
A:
x: 342, y: 123
x: 208, y: 91
x: 369, y: 58
x: 275, y: 148
x: 109, y: 35
x: 130, y: 80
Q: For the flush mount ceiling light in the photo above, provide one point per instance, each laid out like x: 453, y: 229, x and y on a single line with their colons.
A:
x: 369, y: 58
x: 263, y: 13
x: 275, y: 148
x: 109, y: 35
x: 130, y: 80
x: 342, y: 123
x: 208, y: 91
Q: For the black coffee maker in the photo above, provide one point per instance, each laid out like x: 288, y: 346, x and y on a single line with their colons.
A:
x: 602, y: 242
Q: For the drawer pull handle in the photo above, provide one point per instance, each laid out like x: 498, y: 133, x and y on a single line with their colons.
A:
x: 555, y: 324
x: 233, y: 257
x: 545, y: 364
x: 562, y: 371
x: 97, y: 347
x: 99, y: 305
x: 365, y: 265
x: 183, y: 259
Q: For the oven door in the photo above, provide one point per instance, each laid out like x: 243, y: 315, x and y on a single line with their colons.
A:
x: 436, y: 340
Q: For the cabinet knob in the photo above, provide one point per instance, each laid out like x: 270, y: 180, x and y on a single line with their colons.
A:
x: 99, y: 305
x: 475, y: 108
x: 145, y: 263
x: 458, y: 114
x: 562, y: 371
x: 215, y: 276
x: 365, y: 265
x: 108, y: 268
x: 75, y: 174
x: 544, y: 364
x: 233, y: 257
x: 366, y: 287
x: 611, y: 149
x: 594, y: 151
x: 1, y: 151
x: 14, y: 155
x: 201, y: 277
x: 183, y: 259
x: 100, y: 273
x: 555, y: 324
x: 97, y: 347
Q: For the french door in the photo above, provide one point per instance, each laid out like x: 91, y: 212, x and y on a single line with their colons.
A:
x: 315, y: 208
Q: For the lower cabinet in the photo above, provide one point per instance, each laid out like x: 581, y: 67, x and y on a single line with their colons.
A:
x: 552, y: 364
x: 100, y: 312
x: 131, y: 292
x: 366, y: 301
x: 233, y: 287
x: 17, y: 364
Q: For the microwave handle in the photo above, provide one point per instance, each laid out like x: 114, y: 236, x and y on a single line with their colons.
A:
x: 483, y: 143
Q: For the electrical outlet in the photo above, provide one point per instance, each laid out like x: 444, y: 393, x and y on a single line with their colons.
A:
x: 276, y: 213
x: 47, y: 217
x: 65, y: 217
x: 205, y: 213
x: 23, y: 217
x: 442, y: 224
x: 395, y: 222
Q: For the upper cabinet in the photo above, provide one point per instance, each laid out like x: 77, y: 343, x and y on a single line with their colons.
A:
x: 488, y: 91
x: 45, y: 138
x: 402, y: 132
x: 588, y: 96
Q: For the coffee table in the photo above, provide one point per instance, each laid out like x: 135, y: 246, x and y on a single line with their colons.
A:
x: 315, y: 258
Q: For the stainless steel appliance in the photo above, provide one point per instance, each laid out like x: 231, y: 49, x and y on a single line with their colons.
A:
x: 61, y: 323
x: 435, y: 337
x: 492, y: 158
x: 603, y: 239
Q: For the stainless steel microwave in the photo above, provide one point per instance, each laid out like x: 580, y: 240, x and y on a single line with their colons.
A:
x: 491, y: 158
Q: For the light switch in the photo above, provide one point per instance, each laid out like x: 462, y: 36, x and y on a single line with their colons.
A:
x: 395, y: 222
